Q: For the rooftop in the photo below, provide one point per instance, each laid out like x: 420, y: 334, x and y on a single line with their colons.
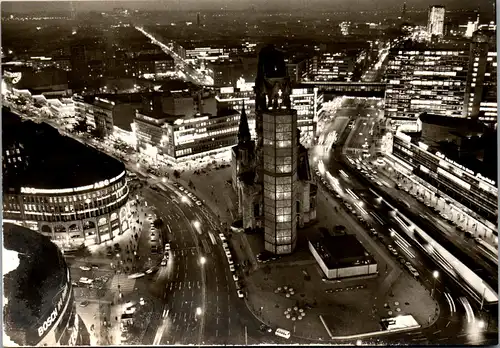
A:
x: 341, y: 251
x: 457, y: 123
x: 54, y: 161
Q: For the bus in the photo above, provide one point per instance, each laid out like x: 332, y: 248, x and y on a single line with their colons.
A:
x: 488, y: 249
x: 282, y: 333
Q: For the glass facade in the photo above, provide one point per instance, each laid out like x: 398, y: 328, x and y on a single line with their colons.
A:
x: 280, y: 153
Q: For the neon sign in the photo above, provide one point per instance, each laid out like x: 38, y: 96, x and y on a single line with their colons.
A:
x: 97, y: 185
x: 55, y: 313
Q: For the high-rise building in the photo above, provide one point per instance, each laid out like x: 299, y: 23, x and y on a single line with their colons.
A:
x: 425, y: 80
x: 103, y: 116
x: 481, y: 87
x: 273, y: 182
x: 304, y: 99
x: 435, y: 23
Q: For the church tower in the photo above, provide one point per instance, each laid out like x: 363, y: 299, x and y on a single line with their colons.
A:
x: 277, y: 151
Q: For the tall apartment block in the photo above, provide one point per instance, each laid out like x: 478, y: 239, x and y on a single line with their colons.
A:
x: 430, y: 80
x: 481, y: 88
x: 435, y: 23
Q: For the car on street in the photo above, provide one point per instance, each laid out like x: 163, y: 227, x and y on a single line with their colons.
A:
x: 373, y: 232
x: 240, y: 294
x: 84, y: 303
x: 199, y: 203
x: 85, y: 268
x: 265, y: 328
x: 414, y: 273
x: 222, y: 236
x: 164, y: 261
x: 85, y: 280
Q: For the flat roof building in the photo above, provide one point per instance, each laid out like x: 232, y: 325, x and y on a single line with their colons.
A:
x: 342, y: 256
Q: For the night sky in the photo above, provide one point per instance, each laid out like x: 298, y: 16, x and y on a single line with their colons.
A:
x: 341, y: 5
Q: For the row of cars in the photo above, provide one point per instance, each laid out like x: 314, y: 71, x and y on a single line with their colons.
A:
x: 230, y: 261
x: 371, y: 229
x: 155, y: 240
x: 188, y: 194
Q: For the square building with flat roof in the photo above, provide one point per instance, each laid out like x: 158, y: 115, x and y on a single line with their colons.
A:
x: 342, y: 256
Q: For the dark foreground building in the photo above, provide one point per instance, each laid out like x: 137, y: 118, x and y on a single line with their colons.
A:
x: 39, y: 305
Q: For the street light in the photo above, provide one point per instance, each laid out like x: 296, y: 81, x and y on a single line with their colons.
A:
x: 435, y: 275
x: 196, y: 224
x: 184, y: 199
x: 203, y: 260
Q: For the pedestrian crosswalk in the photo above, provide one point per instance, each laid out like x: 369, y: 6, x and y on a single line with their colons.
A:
x: 126, y: 285
x: 172, y: 286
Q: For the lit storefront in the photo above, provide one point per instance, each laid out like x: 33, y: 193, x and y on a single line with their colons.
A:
x: 477, y: 195
x: 178, y: 139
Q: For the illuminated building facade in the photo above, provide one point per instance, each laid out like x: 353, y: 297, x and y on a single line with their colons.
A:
x: 475, y: 194
x: 305, y: 100
x: 272, y: 176
x: 176, y: 138
x: 430, y: 81
x: 481, y: 88
x: 39, y: 303
x: 154, y: 64
x: 103, y: 116
x: 84, y: 110
x: 73, y: 200
x: 333, y: 66
x: 435, y: 22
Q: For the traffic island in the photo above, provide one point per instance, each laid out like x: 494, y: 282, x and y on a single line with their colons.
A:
x: 347, y: 307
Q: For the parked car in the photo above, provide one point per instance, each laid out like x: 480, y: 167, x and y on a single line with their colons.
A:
x: 240, y: 294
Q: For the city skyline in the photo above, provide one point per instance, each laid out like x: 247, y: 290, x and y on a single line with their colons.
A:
x: 248, y: 175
